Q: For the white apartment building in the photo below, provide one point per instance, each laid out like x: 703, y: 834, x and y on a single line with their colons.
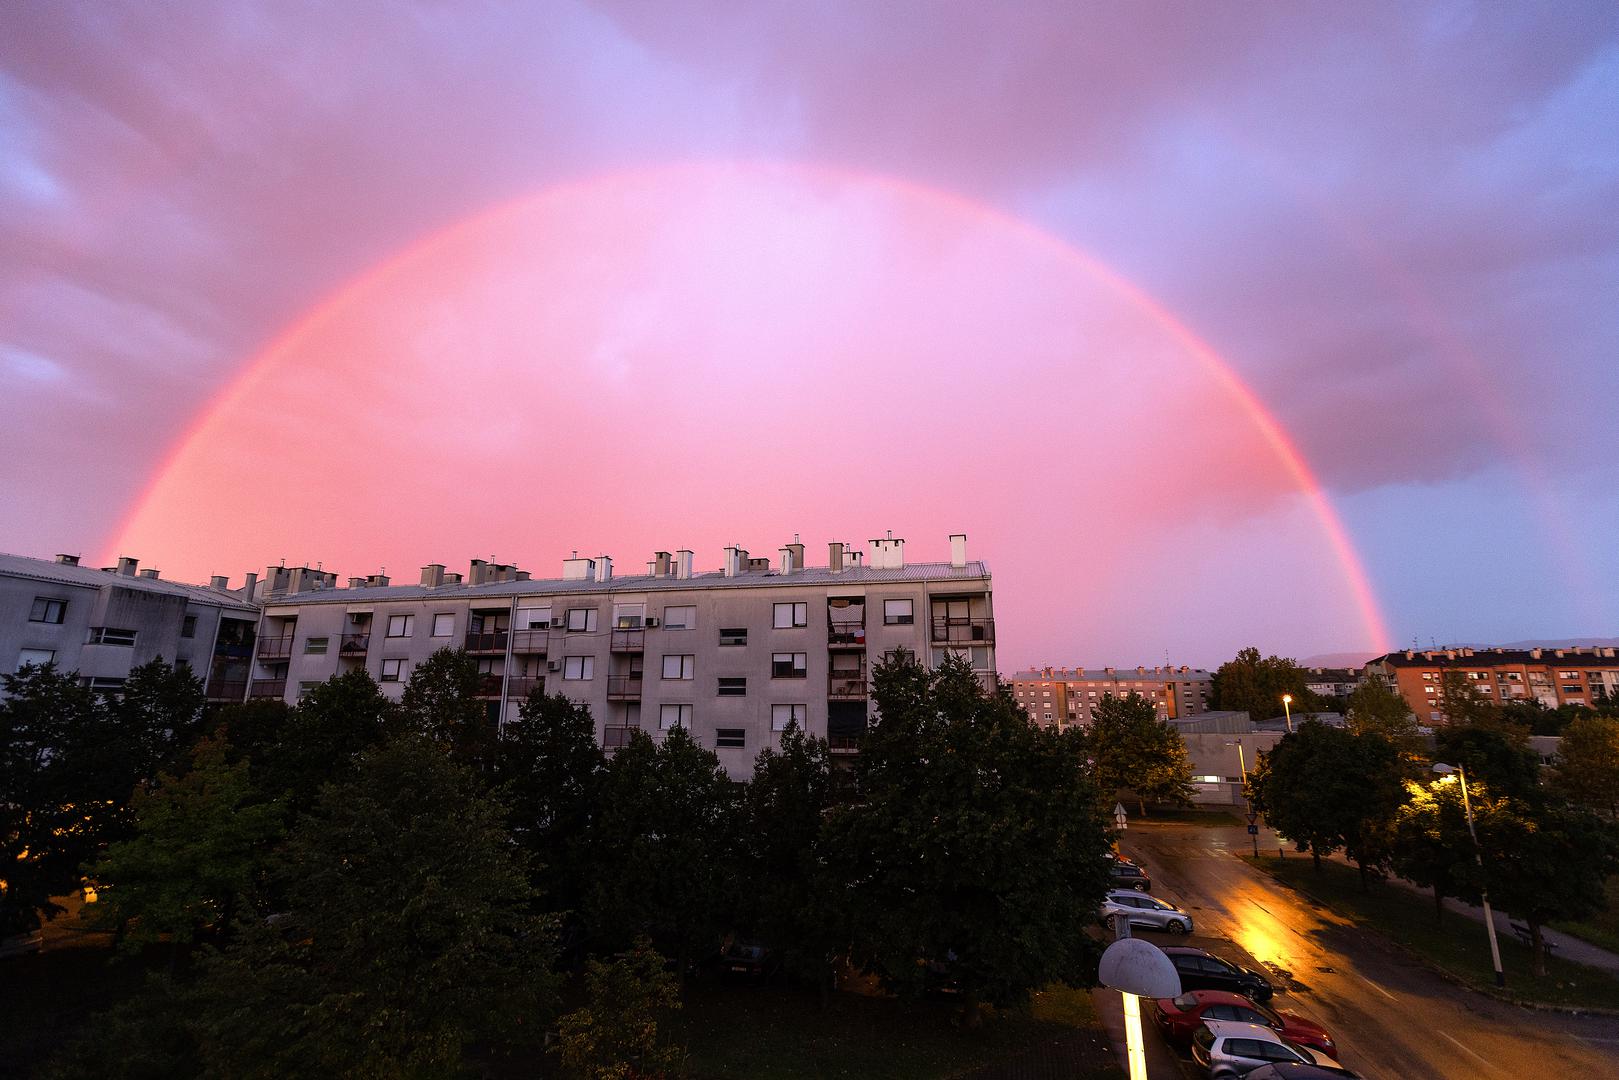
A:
x: 733, y: 655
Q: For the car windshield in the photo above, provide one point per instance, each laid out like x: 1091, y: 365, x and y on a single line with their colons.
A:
x: 1271, y: 1018
x: 1304, y: 1055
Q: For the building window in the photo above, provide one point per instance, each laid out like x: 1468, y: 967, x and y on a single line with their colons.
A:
x: 582, y: 620
x: 444, y: 624
x: 47, y: 610
x: 789, y: 616
x: 108, y: 635
x: 678, y: 666
x: 579, y: 667
x: 734, y: 635
x: 673, y: 716
x: 105, y: 682
x: 782, y: 715
x: 315, y: 646
x: 731, y: 738
x: 188, y: 626
x: 680, y: 618
x: 392, y: 670
x: 401, y: 625
x: 732, y: 687
x: 788, y: 665
x: 898, y: 613
x: 36, y: 657
x: 532, y: 618
x: 305, y: 687
x: 629, y: 616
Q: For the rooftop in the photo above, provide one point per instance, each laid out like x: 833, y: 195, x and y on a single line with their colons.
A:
x: 91, y: 577
x: 1586, y: 656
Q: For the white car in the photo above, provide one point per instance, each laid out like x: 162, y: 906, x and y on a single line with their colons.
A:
x: 1145, y: 911
x: 1231, y: 1048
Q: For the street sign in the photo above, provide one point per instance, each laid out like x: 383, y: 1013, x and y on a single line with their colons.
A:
x: 1253, y: 830
x: 1253, y: 819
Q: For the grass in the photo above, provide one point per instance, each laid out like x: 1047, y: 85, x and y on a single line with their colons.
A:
x: 1183, y: 814
x: 1603, y: 927
x: 1458, y: 947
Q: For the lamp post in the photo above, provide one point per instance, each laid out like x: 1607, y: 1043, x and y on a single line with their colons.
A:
x: 1242, y: 765
x: 1287, y: 709
x: 1478, y: 854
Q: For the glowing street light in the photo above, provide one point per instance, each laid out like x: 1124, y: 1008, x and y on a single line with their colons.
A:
x: 1287, y: 708
x: 1489, y: 918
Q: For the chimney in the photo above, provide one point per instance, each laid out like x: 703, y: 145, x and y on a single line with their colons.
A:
x: 249, y: 583
x: 149, y: 575
x: 659, y: 566
x: 477, y: 572
x: 604, y: 565
x: 958, y: 550
x: 853, y: 559
x: 1109, y: 671
x: 1534, y: 654
x: 521, y: 575
x: 67, y: 560
x: 888, y: 553
x: 734, y: 558
x: 357, y: 582
x: 432, y: 575
x: 220, y: 582
x: 377, y: 581
x: 576, y: 569
x: 787, y: 560
x: 834, y: 557
x: 126, y: 565
x: 452, y: 579
x: 683, y: 563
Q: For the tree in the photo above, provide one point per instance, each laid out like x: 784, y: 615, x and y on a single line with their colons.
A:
x: 201, y: 838
x: 615, y: 1035
x: 158, y: 713
x: 1255, y: 685
x: 1462, y: 702
x: 441, y: 703
x: 322, y: 738
x: 974, y: 848
x: 1432, y: 845
x: 1375, y: 706
x: 1497, y: 757
x: 1588, y: 764
x: 1131, y: 748
x: 410, y: 932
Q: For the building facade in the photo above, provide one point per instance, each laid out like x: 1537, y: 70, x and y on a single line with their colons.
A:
x: 1064, y: 696
x: 104, y: 623
x: 732, y: 655
x: 1552, y: 677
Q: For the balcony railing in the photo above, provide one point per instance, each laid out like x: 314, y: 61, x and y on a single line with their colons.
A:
x: 624, y: 687
x: 227, y: 689
x: 530, y: 641
x: 268, y: 688
x: 618, y: 736
x: 843, y: 744
x: 275, y: 648
x: 630, y: 641
x: 953, y: 631
x: 235, y: 650
x: 354, y: 645
x: 489, y: 641
x: 519, y: 687
x: 845, y: 685
x: 846, y: 637
x: 489, y: 684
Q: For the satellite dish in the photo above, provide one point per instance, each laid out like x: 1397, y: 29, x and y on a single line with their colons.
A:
x: 1139, y: 967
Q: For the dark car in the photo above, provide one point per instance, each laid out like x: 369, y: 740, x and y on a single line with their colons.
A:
x: 1201, y: 970
x: 748, y: 960
x: 1297, y: 1070
x: 1123, y: 874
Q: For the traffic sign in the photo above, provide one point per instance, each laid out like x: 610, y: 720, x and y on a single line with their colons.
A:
x: 1253, y: 818
x: 1253, y: 830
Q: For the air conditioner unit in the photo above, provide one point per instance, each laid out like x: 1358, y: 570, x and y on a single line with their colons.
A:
x: 652, y: 622
x: 554, y: 665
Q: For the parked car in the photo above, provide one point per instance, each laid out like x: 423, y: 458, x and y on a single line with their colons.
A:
x: 1144, y: 911
x: 1201, y: 970
x: 1230, y: 1048
x: 1296, y: 1070
x: 1124, y: 874
x: 748, y: 960
x: 1179, y: 1018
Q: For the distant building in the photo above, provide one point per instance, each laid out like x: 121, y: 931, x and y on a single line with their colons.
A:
x: 1553, y: 677
x: 1331, y: 682
x: 1064, y: 696
x: 104, y: 623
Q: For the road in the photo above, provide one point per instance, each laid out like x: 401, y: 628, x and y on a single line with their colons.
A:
x: 1392, y: 1017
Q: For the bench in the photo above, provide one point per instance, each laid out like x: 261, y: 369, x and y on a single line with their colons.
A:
x: 1521, y: 932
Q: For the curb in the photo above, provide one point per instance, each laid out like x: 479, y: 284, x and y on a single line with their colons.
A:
x: 1446, y: 973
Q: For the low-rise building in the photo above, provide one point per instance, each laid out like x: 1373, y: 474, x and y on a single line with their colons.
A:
x: 1063, y: 696
x: 1552, y: 677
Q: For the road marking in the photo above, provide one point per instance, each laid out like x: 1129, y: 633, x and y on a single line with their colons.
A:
x: 1464, y: 1049
x: 1386, y: 994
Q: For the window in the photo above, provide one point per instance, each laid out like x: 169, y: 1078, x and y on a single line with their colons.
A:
x: 582, y: 620
x: 305, y: 687
x: 579, y: 667
x: 315, y: 646
x: 733, y: 687
x: 47, y: 610
x: 673, y: 716
x: 103, y: 682
x: 392, y: 671
x: 788, y: 665
x: 730, y: 738
x: 790, y: 615
x: 782, y: 715
x: 36, y: 657
x: 188, y: 626
x: 108, y: 635
x: 898, y: 613
x: 532, y: 618
x: 680, y: 618
x: 734, y: 635
x: 677, y: 666
x: 629, y: 616
x: 401, y: 625
x: 444, y: 624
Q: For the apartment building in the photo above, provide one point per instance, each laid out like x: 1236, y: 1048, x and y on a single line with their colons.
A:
x: 102, y: 623
x: 1064, y: 696
x: 1553, y: 677
x: 733, y: 655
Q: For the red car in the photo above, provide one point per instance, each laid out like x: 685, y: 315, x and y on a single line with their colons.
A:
x: 1179, y: 1018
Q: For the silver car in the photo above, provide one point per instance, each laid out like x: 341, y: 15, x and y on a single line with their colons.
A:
x: 1145, y: 911
x: 1230, y: 1048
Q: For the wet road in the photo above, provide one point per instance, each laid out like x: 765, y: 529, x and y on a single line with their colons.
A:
x: 1391, y: 1017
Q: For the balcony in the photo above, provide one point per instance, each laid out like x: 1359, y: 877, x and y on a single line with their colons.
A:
x: 227, y: 689
x: 624, y: 687
x: 846, y: 636
x: 843, y: 744
x: 275, y: 648
x: 488, y: 641
x: 489, y: 685
x: 951, y: 631
x: 617, y: 737
x: 519, y: 687
x: 846, y: 685
x: 235, y: 650
x: 629, y: 641
x: 354, y: 645
x: 530, y: 642
x: 268, y: 688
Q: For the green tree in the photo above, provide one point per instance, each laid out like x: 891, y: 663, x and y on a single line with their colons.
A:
x: 1254, y: 684
x: 158, y: 713
x: 1461, y: 702
x: 974, y: 848
x: 1588, y: 764
x: 201, y: 838
x: 410, y: 933
x: 616, y: 1035
x: 441, y: 703
x: 1432, y: 846
x: 1130, y: 748
x: 322, y: 738
x: 1497, y: 757
x: 1375, y: 706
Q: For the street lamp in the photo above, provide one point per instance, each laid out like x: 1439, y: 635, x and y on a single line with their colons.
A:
x: 1287, y: 708
x: 1489, y: 918
x: 1242, y: 764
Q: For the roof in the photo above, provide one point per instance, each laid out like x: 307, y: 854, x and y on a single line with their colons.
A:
x: 1116, y: 675
x: 973, y: 573
x: 92, y: 578
x: 1242, y: 1029
x: 1584, y: 656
